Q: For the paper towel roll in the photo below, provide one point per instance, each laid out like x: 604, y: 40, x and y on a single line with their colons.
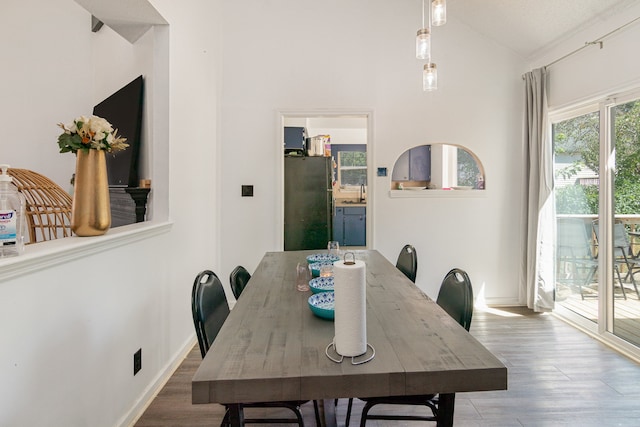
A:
x: 349, y: 283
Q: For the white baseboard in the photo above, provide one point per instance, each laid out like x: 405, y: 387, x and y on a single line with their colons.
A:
x: 501, y: 302
x: 150, y: 393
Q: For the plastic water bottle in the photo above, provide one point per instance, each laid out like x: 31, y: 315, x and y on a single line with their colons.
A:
x: 12, y: 211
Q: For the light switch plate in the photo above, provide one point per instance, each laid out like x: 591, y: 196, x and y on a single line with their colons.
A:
x: 247, y: 191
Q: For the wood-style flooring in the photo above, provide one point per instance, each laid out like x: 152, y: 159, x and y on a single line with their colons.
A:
x: 626, y: 311
x: 558, y: 376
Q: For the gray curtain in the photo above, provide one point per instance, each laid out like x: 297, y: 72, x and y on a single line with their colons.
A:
x: 538, y: 283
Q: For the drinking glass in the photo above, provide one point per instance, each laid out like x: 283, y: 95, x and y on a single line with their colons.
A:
x: 333, y: 247
x: 303, y: 275
x: 326, y: 270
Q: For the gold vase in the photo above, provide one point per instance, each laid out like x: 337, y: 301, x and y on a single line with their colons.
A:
x: 90, y: 211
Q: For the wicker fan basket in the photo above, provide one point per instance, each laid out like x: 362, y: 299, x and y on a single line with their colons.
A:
x: 48, y: 209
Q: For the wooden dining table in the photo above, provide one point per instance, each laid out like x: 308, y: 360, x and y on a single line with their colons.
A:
x: 273, y: 348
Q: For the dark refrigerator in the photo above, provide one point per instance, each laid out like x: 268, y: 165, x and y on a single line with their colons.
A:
x: 308, y: 202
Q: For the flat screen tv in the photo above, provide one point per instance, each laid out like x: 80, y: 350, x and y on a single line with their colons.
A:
x: 123, y: 110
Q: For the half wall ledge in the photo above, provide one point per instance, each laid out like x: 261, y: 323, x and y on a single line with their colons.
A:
x: 53, y: 252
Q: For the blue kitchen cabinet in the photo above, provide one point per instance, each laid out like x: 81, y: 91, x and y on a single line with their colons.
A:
x: 420, y: 163
x: 413, y: 165
x: 349, y: 226
x: 355, y: 230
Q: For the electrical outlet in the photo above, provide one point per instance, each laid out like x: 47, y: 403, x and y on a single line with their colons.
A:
x: 137, y: 361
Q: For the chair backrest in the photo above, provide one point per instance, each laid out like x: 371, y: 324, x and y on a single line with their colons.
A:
x: 456, y: 297
x: 209, y: 308
x: 238, y: 280
x: 572, y: 239
x: 621, y: 238
x: 408, y: 262
x: 621, y: 244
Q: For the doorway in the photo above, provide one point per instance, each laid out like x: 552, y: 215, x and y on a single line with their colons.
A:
x: 347, y: 143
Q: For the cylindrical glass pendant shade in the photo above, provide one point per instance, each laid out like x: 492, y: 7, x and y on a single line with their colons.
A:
x: 423, y: 44
x: 438, y: 12
x: 430, y: 77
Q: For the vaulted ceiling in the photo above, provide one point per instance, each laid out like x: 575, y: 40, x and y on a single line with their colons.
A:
x: 529, y: 27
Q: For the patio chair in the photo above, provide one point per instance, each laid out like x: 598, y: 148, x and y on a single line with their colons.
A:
x: 635, y: 257
x: 623, y: 250
x: 622, y: 253
x: 576, y: 262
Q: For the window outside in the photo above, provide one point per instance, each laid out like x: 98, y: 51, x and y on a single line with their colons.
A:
x: 352, y: 168
x: 468, y: 171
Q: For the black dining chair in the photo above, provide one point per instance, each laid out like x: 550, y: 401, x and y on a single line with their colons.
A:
x: 210, y: 309
x: 408, y: 262
x: 238, y: 279
x: 456, y: 298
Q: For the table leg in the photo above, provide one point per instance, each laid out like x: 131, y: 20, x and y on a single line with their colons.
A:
x: 446, y: 404
x: 236, y: 415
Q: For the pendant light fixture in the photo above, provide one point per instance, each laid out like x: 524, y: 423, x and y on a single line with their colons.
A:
x: 423, y: 40
x: 437, y: 16
x: 430, y: 77
x: 438, y: 12
x: 423, y: 44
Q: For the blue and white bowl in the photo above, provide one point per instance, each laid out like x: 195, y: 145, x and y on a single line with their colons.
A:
x: 321, y: 284
x: 322, y: 305
x: 322, y: 258
x: 315, y: 267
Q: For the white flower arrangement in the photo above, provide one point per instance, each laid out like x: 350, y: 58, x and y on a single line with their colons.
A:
x: 90, y: 133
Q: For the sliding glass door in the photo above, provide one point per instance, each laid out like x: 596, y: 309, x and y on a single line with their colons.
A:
x: 625, y: 134
x: 597, y: 194
x: 577, y: 176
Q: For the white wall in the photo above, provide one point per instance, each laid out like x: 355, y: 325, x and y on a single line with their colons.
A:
x: 69, y: 331
x: 40, y: 83
x: 593, y: 72
x: 360, y: 55
x: 109, y: 76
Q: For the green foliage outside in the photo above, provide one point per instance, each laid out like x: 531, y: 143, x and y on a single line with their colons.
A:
x: 579, y: 137
x: 353, y: 158
x: 467, y: 169
x: 353, y: 167
x: 577, y: 200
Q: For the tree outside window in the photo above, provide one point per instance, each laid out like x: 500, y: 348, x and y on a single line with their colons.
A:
x: 577, y: 161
